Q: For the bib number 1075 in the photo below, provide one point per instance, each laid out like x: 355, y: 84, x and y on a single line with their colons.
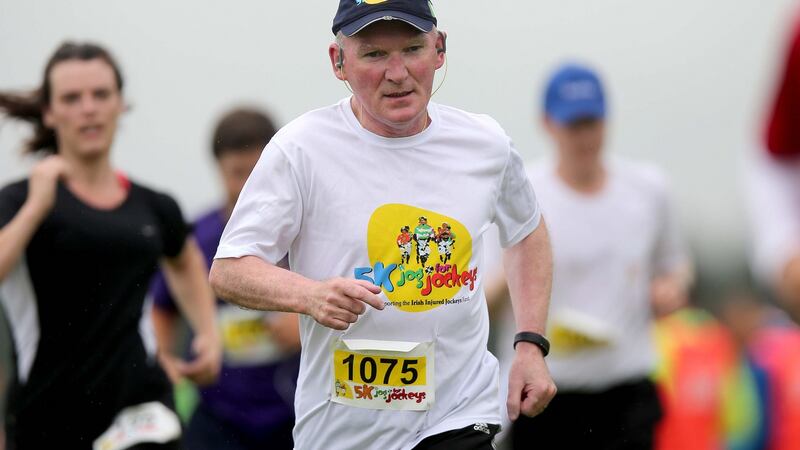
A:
x: 381, y: 370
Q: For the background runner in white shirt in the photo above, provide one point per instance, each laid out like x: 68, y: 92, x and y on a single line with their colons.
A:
x: 335, y: 189
x: 617, y: 258
x: 773, y: 188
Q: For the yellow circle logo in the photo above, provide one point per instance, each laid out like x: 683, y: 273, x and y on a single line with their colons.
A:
x: 418, y: 257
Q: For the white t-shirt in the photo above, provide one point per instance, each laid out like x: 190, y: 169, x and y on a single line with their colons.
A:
x: 335, y: 197
x: 606, y: 249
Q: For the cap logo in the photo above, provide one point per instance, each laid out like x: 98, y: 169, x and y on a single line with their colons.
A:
x: 578, y: 90
x: 369, y: 2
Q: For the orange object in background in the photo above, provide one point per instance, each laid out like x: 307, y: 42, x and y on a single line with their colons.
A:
x: 777, y: 350
x: 709, y: 394
x: 696, y: 352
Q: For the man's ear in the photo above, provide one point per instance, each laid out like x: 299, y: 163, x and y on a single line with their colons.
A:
x: 441, y: 42
x: 336, y: 55
x: 441, y: 48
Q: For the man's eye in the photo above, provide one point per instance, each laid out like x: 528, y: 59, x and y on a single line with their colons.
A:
x: 71, y: 98
x: 414, y: 48
x: 374, y: 54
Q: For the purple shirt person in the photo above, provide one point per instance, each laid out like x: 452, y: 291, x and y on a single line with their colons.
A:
x: 251, y: 406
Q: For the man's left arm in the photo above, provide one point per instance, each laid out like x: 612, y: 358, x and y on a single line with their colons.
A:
x: 186, y: 276
x: 669, y: 291
x: 529, y: 270
x: 673, y: 271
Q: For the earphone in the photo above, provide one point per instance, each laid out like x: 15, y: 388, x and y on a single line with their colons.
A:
x: 340, y: 67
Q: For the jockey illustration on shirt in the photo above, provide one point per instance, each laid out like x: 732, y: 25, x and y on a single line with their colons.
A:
x: 404, y: 243
x: 423, y: 234
x: 446, y: 241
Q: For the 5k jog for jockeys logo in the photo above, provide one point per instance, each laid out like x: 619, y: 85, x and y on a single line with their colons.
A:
x: 418, y: 257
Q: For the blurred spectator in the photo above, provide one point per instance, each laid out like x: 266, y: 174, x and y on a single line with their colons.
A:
x: 712, y: 396
x: 618, y: 259
x: 772, y: 342
x: 251, y: 405
x: 774, y: 188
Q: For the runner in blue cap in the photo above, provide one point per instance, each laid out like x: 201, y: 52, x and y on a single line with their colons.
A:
x: 619, y: 260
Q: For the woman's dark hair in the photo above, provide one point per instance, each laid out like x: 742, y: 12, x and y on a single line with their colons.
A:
x: 242, y: 129
x: 29, y: 106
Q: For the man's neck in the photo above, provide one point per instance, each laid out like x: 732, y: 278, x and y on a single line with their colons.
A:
x: 413, y: 127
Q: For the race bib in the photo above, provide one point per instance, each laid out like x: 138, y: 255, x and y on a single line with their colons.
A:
x: 146, y: 423
x: 571, y: 331
x: 245, y: 337
x: 383, y: 374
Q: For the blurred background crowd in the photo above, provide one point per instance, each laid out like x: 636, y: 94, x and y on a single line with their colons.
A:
x: 707, y: 91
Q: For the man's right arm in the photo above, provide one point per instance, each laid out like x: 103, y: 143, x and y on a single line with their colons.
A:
x: 253, y: 283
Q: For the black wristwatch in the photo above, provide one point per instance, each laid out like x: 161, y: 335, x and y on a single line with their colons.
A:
x: 535, y: 339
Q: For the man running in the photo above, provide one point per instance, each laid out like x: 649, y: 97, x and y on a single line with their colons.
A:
x: 392, y: 358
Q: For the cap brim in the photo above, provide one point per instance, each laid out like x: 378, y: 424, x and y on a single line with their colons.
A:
x: 354, y: 27
x: 568, y: 114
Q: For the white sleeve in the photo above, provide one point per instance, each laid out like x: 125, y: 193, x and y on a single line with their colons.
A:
x: 670, y: 251
x: 268, y: 213
x: 517, y: 212
x: 772, y: 191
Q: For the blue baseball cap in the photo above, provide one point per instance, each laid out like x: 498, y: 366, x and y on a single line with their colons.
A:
x: 574, y: 92
x: 355, y: 15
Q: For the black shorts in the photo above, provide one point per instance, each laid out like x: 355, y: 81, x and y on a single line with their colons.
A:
x: 479, y: 436
x: 621, y: 418
x: 206, y: 431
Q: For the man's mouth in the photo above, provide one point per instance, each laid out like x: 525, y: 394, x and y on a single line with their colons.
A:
x: 399, y: 94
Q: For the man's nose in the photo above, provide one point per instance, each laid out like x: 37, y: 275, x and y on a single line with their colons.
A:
x: 396, y: 70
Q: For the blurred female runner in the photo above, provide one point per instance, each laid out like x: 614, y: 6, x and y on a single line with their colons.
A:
x: 78, y: 245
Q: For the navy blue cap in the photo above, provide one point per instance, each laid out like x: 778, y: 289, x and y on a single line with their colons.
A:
x: 574, y: 92
x: 355, y: 15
